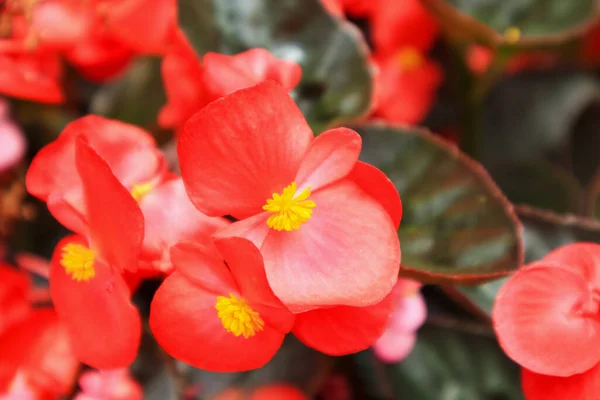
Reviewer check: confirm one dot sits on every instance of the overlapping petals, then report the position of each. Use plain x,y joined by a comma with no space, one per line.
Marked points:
547,320
240,151
219,313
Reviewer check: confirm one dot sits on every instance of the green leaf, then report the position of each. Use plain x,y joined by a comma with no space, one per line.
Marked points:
336,81
457,226
450,364
477,299
538,184
136,97
522,122
541,22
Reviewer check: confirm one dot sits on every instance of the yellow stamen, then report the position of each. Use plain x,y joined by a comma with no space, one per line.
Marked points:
139,190
512,34
289,210
238,317
409,59
78,262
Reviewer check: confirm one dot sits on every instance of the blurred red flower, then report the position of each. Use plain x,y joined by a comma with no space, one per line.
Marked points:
325,223
217,311
546,317
192,84
12,139
109,385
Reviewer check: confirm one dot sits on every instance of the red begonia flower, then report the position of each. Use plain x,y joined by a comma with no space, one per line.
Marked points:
397,24
546,315
335,330
170,217
86,281
325,240
584,386
356,8
406,86
12,139
31,76
14,296
109,385
143,25
101,56
219,314
58,25
409,313
268,392
191,84
130,151
38,351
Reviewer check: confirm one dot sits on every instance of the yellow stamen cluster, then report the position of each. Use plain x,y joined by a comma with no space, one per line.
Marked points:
409,59
289,210
139,190
238,317
512,34
78,262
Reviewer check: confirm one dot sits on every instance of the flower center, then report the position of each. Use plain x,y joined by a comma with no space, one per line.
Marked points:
238,317
409,59
289,210
512,34
139,190
78,262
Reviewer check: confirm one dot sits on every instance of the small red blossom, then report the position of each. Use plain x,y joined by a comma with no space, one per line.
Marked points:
13,143
86,280
324,222
192,84
36,357
109,385
546,317
405,86
219,314
409,313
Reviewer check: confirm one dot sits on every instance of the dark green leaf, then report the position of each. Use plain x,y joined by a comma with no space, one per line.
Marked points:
336,81
457,225
541,22
450,364
532,113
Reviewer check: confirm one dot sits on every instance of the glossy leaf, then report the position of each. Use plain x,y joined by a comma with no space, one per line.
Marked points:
448,364
336,81
522,122
457,225
544,231
541,22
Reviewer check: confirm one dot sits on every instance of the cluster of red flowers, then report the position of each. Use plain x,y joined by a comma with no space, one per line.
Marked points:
313,248
547,320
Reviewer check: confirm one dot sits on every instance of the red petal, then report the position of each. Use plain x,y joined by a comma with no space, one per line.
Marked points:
130,151
246,265
584,386
343,330
39,349
331,157
143,25
31,76
225,74
377,185
14,296
115,220
169,218
61,24
237,151
185,323
182,75
346,254
203,265
542,323
580,258
105,328
255,229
